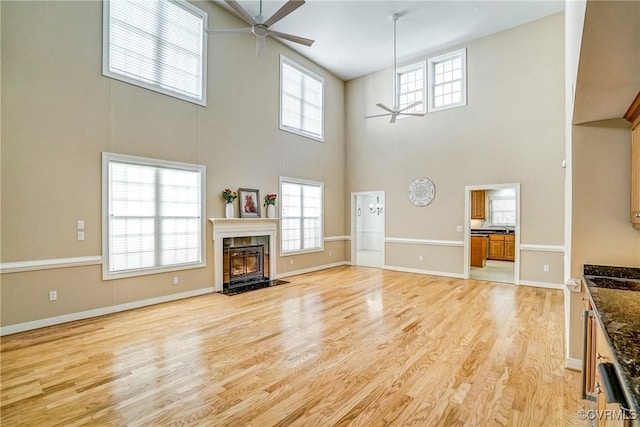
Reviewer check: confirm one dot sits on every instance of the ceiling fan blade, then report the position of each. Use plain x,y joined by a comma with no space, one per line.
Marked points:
261,45
384,107
288,7
292,38
230,30
233,4
413,114
377,115
411,106
393,118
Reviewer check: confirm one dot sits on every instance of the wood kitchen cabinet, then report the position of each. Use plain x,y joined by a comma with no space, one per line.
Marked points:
633,115
502,247
596,352
509,247
478,204
478,251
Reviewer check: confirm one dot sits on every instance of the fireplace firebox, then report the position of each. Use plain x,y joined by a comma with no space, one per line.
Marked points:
245,265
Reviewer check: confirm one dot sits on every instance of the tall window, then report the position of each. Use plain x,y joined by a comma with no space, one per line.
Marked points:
301,100
153,215
447,80
412,87
301,215
159,45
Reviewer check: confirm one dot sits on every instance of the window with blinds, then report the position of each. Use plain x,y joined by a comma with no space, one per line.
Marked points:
153,216
301,100
502,210
448,80
301,216
159,45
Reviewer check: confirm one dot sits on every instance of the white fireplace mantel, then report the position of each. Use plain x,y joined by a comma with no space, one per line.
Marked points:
241,227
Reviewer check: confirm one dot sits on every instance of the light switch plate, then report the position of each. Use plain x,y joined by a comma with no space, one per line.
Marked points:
80,235
80,224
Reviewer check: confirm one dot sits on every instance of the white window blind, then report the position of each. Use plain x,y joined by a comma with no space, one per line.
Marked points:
301,215
412,87
154,215
503,210
156,44
447,78
301,100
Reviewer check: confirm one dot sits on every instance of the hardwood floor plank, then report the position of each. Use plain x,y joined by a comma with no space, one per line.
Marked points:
346,346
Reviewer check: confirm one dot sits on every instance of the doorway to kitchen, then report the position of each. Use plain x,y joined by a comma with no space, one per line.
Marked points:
367,229
492,237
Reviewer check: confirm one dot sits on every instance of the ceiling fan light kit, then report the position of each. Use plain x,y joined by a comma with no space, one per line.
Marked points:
261,27
396,111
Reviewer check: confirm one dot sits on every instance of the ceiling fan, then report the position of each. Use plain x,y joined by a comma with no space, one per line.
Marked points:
396,111
261,26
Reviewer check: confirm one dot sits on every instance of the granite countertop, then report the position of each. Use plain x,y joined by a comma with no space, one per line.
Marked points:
615,293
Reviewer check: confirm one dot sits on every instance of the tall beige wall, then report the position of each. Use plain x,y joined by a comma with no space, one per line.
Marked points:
511,131
59,114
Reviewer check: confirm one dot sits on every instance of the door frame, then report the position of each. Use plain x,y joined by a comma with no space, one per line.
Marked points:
354,223
467,229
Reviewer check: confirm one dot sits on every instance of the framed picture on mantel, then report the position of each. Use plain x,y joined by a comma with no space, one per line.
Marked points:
249,203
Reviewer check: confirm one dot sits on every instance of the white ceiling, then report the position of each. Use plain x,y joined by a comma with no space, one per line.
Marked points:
355,37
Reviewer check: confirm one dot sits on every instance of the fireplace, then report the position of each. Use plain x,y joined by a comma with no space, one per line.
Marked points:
246,265
238,232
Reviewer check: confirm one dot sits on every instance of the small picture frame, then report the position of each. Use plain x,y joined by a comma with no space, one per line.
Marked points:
249,201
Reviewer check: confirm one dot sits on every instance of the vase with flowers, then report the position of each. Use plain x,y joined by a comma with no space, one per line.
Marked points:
270,204
229,196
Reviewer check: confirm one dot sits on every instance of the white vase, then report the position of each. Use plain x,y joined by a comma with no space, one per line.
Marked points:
271,211
228,210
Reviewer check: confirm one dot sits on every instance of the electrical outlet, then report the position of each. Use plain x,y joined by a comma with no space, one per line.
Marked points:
53,295
175,280
420,258
459,229
546,268
330,253
80,235
291,261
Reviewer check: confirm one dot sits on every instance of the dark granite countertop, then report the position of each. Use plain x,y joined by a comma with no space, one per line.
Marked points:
615,293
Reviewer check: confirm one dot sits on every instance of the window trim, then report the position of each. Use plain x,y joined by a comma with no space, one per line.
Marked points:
408,68
106,21
462,53
311,74
302,251
122,158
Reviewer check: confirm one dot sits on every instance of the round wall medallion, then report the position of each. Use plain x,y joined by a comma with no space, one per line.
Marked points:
422,191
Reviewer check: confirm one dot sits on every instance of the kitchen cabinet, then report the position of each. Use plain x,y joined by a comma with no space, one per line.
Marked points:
509,247
633,115
479,251
597,352
478,204
502,247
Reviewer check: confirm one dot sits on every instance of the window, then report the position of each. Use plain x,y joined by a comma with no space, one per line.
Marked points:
301,216
502,210
159,45
301,100
411,87
153,216
447,80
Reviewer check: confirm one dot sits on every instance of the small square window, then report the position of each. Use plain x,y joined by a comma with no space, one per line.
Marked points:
411,87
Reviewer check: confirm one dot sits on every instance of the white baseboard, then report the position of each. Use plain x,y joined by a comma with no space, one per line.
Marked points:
27,326
575,364
429,272
311,269
545,285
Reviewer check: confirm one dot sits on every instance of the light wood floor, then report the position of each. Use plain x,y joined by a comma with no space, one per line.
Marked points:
346,346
